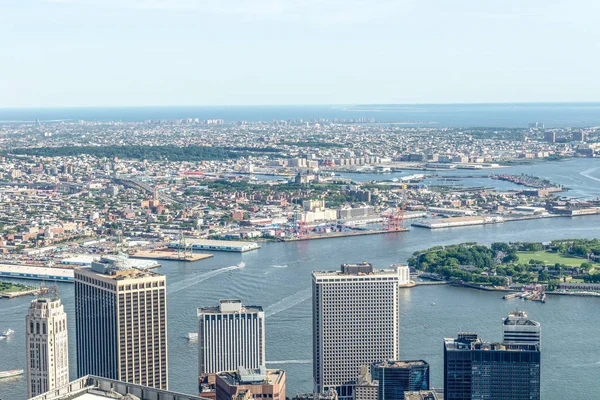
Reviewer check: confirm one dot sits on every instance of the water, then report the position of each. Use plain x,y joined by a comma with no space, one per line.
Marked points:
443,115
580,175
569,324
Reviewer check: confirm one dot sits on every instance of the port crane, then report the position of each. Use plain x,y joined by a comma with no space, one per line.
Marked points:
394,220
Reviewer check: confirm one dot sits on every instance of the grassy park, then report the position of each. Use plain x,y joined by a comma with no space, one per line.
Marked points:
9,287
551,258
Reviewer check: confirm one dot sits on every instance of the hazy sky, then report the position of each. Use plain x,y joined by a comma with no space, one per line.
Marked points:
209,52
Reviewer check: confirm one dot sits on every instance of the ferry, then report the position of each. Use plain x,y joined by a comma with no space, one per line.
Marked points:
7,333
8,374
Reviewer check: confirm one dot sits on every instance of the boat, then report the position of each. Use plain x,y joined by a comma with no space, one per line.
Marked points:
192,336
241,264
7,333
8,374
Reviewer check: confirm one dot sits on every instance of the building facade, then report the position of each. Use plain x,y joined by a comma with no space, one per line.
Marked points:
518,328
365,388
355,322
47,344
121,321
475,370
397,377
229,336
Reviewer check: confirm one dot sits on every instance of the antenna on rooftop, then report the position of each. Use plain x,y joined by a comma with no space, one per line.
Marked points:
55,291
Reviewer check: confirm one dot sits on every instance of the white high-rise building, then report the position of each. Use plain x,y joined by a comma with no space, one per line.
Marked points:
47,346
230,336
518,328
356,321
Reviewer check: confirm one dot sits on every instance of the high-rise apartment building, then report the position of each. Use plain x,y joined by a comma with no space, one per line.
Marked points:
518,328
121,320
550,137
397,377
229,336
47,344
355,322
475,370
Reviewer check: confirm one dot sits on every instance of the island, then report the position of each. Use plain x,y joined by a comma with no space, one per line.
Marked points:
565,266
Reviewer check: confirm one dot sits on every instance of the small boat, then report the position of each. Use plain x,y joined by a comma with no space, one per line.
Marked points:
241,264
7,333
433,304
8,374
192,336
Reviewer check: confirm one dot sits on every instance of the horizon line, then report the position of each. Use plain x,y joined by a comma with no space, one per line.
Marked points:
304,105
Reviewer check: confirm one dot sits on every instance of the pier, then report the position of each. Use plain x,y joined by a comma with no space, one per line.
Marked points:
215,245
36,273
169,255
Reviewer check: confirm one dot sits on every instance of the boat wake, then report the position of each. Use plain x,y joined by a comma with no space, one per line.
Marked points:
177,286
588,173
288,302
279,266
290,362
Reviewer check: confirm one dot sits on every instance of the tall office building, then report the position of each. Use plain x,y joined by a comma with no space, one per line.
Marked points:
230,336
550,137
476,370
355,322
397,377
121,320
47,346
518,328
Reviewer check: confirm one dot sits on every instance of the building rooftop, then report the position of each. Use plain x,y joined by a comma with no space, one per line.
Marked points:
132,273
400,364
470,341
228,307
424,395
519,318
354,270
245,376
92,387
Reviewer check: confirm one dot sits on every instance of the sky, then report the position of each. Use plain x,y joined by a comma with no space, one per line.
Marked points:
78,53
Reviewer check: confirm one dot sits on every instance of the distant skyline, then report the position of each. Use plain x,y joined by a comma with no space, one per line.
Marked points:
98,53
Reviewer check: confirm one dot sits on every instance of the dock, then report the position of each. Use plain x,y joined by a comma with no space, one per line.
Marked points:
36,273
216,245
457,222
332,235
168,255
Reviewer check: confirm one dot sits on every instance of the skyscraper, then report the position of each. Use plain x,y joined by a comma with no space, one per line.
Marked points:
121,320
230,336
518,328
397,377
476,370
47,346
355,322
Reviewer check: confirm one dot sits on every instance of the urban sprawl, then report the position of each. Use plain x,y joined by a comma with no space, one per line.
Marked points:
101,203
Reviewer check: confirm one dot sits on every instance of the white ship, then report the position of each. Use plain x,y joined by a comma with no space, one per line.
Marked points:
7,333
